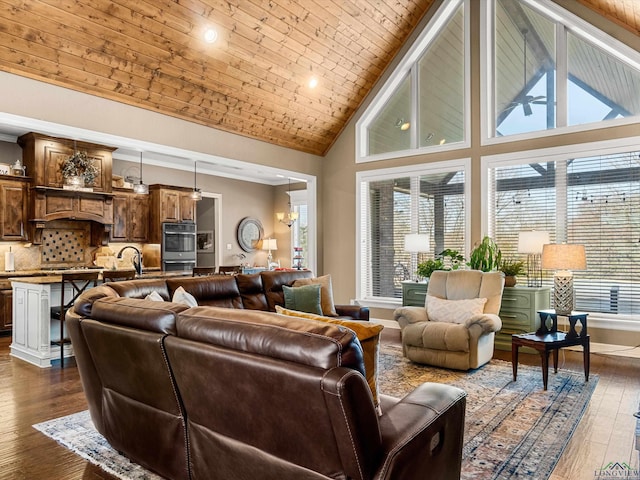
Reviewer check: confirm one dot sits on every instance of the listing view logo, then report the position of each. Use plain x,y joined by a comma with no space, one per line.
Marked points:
617,470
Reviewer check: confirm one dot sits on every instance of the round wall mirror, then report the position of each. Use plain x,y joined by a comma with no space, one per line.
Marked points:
249,234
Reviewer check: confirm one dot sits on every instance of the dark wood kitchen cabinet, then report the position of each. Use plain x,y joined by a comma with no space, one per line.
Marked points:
44,156
169,204
130,217
6,308
14,195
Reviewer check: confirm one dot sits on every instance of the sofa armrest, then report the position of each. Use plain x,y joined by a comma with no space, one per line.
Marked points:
356,312
422,435
408,315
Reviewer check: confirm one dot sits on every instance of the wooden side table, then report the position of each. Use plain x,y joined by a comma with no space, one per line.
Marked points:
547,339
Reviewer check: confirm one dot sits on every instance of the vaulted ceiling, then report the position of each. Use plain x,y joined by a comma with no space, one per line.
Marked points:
252,81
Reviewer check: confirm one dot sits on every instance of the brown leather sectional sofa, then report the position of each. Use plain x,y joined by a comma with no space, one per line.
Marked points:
259,291
208,392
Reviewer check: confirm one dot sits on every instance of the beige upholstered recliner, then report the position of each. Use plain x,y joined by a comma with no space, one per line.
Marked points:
456,327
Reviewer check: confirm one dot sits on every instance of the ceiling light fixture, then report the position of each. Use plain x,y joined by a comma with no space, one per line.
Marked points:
402,124
196,194
313,82
288,218
210,35
140,187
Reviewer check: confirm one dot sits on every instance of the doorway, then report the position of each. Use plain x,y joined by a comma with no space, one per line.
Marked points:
208,230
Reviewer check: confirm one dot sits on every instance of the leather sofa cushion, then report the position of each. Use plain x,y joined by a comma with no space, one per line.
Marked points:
213,290
141,288
148,315
273,280
251,291
317,344
84,302
369,335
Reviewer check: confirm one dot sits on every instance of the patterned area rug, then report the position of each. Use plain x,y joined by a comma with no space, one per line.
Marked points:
512,429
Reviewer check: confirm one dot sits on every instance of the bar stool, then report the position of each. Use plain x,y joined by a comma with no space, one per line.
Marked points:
198,271
76,284
118,275
230,270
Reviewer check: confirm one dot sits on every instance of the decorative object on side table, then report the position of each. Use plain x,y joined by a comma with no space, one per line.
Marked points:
563,258
79,171
297,258
270,244
415,244
511,269
531,243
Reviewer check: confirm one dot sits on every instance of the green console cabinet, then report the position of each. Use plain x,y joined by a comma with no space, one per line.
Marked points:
519,312
414,294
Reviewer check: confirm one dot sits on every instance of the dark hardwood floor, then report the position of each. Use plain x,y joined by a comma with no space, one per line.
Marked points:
30,395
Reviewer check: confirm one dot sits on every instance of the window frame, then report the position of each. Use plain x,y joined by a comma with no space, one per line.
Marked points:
565,22
365,177
408,67
553,154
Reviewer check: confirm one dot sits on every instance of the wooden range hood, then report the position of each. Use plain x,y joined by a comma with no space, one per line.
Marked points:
43,157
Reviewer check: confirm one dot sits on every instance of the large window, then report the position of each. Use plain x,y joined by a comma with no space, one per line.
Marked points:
424,105
427,199
552,70
592,200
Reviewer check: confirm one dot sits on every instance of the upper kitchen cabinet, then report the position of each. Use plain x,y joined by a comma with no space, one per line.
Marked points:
130,217
169,204
44,156
14,214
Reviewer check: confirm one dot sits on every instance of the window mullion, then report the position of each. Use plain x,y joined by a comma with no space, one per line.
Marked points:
415,79
562,76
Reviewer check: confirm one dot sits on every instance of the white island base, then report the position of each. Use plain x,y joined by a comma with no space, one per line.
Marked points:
33,329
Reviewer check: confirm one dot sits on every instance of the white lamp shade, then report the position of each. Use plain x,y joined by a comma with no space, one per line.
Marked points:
532,242
269,244
416,242
563,256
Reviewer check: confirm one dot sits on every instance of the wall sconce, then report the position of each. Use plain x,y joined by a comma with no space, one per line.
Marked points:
531,243
563,258
269,244
196,194
290,217
141,188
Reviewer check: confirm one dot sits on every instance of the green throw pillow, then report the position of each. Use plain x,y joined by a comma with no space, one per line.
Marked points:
303,299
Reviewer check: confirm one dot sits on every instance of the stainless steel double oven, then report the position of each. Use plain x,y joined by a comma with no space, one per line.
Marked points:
178,246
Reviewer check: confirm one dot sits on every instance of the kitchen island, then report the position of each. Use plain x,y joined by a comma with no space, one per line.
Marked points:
33,330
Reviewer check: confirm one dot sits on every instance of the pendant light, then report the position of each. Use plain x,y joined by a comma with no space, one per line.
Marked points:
290,217
140,187
196,194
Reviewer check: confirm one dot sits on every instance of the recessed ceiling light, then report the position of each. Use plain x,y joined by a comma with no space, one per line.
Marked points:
210,35
313,82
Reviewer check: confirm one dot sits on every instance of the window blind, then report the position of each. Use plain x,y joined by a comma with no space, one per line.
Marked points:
393,207
593,201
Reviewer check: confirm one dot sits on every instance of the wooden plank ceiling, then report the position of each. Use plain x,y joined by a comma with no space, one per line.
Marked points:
253,81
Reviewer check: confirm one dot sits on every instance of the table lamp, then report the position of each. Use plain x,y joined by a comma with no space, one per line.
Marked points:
415,243
563,258
269,244
531,243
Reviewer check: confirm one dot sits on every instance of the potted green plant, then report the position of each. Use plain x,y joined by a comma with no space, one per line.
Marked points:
426,268
79,166
446,260
511,269
486,256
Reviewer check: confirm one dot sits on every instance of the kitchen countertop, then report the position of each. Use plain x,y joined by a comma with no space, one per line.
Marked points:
43,277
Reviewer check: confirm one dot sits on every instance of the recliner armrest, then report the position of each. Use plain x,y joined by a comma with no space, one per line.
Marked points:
357,312
408,315
422,435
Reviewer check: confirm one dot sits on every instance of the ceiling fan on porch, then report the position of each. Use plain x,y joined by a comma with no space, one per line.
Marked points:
523,99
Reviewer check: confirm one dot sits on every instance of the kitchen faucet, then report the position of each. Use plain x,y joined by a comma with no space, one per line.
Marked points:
137,260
